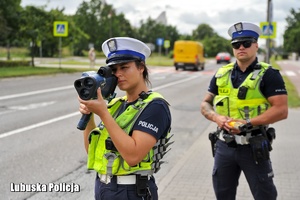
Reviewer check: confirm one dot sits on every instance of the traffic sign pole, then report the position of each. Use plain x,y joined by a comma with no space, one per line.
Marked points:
268,53
59,52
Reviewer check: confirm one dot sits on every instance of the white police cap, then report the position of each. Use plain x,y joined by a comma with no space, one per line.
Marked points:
243,31
124,49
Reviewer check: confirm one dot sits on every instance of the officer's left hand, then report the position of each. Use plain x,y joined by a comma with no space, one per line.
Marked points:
97,106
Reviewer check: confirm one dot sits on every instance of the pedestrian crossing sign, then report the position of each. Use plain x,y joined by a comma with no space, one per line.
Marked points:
60,28
268,30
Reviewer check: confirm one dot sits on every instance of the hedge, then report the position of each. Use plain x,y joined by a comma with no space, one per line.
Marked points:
11,63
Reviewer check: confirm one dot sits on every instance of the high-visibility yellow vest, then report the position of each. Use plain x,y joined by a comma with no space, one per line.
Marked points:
110,162
227,102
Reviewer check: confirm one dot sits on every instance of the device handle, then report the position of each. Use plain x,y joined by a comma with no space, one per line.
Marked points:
84,120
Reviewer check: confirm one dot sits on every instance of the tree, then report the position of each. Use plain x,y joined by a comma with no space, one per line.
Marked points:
150,30
9,22
37,29
100,22
215,44
203,31
292,33
212,42
34,25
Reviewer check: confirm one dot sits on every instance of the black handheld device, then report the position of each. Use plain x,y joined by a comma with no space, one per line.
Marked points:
88,84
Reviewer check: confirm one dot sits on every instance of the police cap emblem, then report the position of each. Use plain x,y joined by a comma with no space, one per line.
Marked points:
238,27
112,45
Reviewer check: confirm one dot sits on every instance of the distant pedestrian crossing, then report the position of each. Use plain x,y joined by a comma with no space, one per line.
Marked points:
171,70
290,72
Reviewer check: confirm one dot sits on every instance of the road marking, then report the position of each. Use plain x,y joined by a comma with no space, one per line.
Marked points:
3,135
35,92
174,83
290,73
38,125
32,106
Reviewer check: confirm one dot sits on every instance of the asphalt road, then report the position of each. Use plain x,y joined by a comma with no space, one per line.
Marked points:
39,142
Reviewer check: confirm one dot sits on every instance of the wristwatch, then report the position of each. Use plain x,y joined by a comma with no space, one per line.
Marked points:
246,127
248,122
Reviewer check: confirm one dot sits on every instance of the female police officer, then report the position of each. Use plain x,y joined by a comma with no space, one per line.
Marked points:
253,94
127,147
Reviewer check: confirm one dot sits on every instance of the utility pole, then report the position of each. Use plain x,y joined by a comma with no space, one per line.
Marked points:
269,20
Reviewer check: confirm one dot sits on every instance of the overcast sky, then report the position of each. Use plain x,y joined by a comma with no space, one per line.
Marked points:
187,15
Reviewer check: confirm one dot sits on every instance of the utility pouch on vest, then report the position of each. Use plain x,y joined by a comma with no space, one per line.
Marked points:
242,92
221,104
260,148
93,141
109,145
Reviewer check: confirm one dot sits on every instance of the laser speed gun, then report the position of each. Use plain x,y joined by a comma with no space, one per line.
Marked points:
88,84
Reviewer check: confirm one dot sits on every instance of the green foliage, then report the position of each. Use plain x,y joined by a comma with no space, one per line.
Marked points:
14,63
157,60
6,72
215,44
15,52
203,31
9,20
100,22
292,33
150,30
293,96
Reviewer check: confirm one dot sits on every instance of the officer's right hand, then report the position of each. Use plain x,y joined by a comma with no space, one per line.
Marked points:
221,120
97,106
232,126
83,109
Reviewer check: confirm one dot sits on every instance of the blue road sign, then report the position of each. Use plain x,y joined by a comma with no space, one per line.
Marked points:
159,41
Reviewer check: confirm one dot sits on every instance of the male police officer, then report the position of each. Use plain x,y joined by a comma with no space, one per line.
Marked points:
251,94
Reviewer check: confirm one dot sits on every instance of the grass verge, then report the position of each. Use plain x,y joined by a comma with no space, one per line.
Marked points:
6,72
293,96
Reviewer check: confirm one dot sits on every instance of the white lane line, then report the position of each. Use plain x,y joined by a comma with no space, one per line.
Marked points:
175,83
35,92
3,135
32,106
38,125
27,107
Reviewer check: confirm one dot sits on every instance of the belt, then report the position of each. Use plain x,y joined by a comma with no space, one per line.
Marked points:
121,180
240,139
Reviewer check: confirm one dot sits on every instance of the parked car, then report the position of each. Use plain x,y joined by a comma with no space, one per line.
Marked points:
223,57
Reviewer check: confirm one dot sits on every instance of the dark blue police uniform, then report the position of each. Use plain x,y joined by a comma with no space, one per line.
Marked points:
230,162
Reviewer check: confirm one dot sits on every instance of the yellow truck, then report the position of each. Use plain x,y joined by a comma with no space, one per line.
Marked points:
188,54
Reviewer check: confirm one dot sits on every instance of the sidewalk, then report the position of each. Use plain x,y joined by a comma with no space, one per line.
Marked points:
191,178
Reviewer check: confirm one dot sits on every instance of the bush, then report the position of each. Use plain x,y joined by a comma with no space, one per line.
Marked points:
19,63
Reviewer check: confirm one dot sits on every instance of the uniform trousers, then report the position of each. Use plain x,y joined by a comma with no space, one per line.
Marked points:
230,162
114,191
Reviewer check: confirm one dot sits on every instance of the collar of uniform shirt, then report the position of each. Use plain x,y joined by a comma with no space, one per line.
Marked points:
237,76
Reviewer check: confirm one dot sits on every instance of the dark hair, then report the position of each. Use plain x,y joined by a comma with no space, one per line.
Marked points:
140,63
